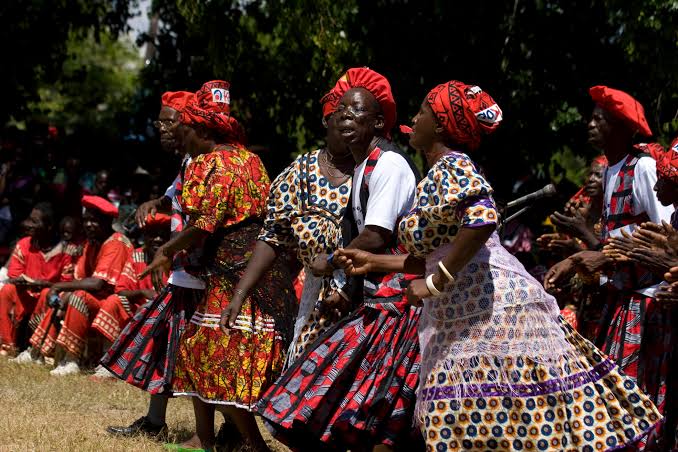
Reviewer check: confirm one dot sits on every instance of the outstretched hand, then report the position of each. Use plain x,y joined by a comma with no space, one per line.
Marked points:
574,223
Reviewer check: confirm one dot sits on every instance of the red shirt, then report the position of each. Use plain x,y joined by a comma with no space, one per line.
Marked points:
105,261
135,265
54,266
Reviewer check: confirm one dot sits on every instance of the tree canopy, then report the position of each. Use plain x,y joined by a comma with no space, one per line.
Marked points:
536,57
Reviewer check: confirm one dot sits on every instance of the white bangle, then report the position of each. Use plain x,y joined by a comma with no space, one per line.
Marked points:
431,287
446,272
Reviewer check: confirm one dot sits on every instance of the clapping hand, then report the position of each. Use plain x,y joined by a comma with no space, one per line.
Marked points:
353,261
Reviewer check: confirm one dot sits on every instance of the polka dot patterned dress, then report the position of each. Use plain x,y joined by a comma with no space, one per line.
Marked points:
501,369
304,214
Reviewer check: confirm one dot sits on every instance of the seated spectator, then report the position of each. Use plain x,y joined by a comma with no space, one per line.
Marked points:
70,232
38,261
96,274
579,224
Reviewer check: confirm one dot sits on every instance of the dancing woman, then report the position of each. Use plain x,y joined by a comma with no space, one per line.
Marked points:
500,368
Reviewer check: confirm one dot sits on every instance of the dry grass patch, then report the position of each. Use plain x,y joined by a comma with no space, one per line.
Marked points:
45,413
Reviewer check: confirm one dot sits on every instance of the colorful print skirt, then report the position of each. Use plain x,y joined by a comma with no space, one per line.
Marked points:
354,386
236,368
595,407
145,353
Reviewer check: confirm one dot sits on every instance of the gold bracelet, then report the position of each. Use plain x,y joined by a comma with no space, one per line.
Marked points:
446,272
431,287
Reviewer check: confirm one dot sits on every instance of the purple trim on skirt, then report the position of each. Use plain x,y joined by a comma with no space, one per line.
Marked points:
520,390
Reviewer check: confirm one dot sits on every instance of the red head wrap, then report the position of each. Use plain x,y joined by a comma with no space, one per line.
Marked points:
210,107
600,160
372,81
176,100
100,205
667,163
622,106
159,220
465,111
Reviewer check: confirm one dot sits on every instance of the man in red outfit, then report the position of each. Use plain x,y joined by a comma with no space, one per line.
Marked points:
38,261
96,274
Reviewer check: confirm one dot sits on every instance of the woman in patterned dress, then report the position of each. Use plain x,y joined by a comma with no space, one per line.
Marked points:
501,369
305,211
224,196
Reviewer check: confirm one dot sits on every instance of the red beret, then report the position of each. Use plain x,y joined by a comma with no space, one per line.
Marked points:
375,83
159,220
176,100
622,106
600,160
99,204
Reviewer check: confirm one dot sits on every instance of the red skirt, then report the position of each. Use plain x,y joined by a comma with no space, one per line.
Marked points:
144,354
354,386
637,333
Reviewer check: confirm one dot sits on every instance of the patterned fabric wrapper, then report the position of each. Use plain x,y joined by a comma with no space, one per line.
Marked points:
144,354
465,111
638,334
235,368
354,386
502,369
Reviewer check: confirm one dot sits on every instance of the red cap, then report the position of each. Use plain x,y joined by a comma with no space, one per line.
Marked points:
99,204
622,106
159,220
600,160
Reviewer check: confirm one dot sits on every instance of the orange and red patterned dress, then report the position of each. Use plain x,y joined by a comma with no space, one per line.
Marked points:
225,194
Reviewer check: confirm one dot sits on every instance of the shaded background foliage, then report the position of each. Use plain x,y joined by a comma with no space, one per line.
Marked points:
536,57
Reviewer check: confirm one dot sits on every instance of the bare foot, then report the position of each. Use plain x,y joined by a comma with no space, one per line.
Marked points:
192,442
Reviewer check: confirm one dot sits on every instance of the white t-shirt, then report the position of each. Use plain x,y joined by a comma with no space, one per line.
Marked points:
644,198
180,277
391,192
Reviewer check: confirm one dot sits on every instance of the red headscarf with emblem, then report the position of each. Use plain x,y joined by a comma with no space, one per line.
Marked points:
372,81
100,205
176,100
667,163
622,106
210,107
465,111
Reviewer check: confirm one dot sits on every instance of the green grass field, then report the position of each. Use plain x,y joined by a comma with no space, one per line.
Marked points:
45,413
